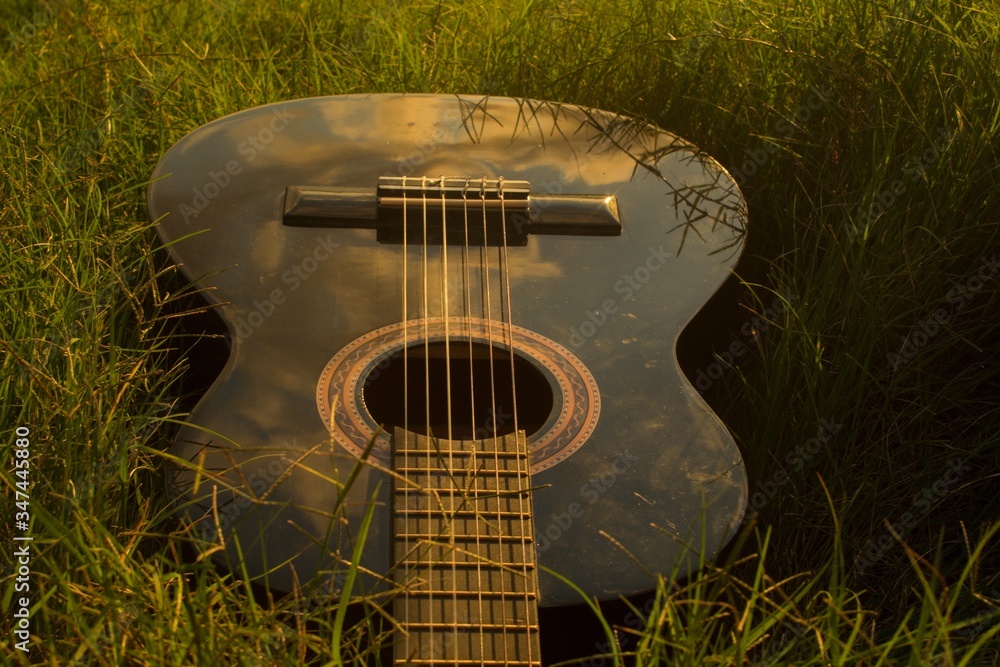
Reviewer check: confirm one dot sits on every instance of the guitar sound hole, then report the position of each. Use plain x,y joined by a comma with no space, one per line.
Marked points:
481,402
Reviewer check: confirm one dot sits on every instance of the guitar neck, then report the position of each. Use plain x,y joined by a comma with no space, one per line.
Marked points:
464,552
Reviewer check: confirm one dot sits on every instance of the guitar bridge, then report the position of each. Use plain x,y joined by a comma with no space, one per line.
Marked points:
455,211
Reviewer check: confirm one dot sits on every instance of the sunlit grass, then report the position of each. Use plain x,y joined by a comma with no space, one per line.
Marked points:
865,138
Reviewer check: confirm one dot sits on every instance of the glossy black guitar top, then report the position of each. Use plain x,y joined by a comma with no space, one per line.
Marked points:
376,258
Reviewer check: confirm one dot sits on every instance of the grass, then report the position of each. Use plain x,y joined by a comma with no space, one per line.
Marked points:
866,138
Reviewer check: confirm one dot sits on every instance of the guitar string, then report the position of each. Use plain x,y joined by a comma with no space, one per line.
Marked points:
522,474
406,429
447,312
451,446
484,254
473,465
427,413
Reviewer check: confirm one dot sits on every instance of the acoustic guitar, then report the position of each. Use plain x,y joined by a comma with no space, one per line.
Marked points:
451,379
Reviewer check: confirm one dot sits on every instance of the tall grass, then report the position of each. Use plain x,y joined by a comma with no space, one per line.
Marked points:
865,136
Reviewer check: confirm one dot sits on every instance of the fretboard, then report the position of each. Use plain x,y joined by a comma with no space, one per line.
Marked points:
464,552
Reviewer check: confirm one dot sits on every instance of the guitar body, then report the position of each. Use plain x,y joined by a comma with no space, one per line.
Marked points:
275,211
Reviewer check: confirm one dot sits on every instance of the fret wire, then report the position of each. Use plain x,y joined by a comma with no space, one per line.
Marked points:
463,513
483,663
499,539
511,567
514,566
466,593
439,470
444,472
500,454
484,626
450,516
